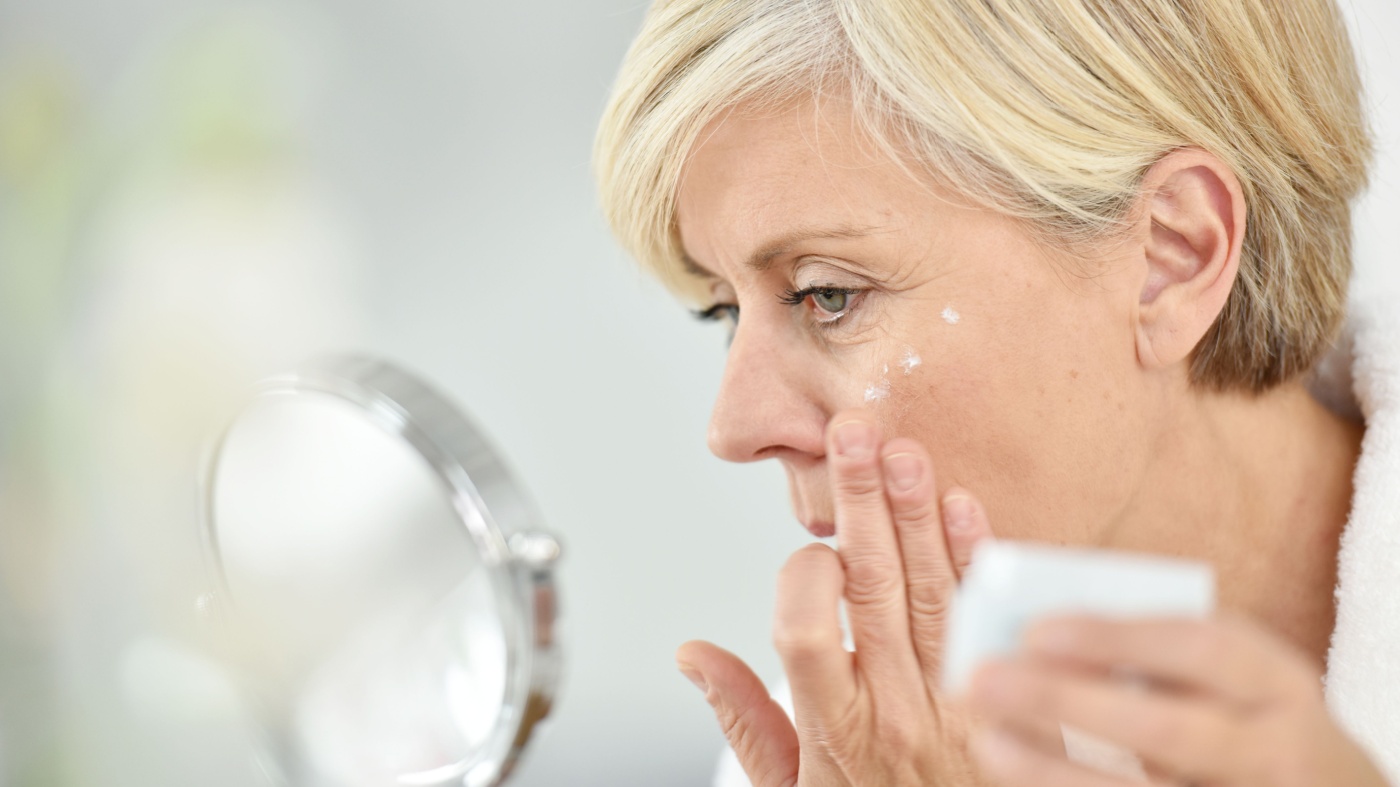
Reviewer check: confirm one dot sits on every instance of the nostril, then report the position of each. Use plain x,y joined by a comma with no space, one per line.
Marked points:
763,409
771,452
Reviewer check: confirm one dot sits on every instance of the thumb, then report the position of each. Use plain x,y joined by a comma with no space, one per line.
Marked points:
757,728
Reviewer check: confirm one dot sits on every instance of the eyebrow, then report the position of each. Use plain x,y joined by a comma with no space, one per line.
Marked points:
762,259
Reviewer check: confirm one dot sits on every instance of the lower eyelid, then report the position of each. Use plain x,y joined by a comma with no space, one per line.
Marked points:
858,298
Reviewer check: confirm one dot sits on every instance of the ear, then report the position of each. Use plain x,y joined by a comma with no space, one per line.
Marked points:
1194,212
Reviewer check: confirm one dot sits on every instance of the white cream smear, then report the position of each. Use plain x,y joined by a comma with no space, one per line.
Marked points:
910,361
951,316
880,391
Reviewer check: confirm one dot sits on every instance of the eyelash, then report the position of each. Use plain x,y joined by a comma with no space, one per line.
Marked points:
796,297
718,312
730,311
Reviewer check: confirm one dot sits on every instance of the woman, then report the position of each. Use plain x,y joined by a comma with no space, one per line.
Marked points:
1057,269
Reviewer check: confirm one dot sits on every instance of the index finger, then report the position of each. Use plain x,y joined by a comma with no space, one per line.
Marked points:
876,605
930,579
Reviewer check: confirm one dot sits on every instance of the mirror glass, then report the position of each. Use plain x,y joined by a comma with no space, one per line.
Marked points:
371,606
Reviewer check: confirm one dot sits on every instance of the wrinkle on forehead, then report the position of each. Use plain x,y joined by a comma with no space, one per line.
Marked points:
764,181
762,259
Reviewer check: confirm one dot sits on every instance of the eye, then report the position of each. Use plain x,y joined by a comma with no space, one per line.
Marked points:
829,304
833,301
727,313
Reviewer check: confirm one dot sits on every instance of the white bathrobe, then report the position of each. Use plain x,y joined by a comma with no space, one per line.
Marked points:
1360,379
1363,666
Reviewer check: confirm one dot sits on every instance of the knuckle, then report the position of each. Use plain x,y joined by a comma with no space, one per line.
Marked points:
738,729
872,582
928,601
857,476
729,724
914,516
857,484
899,736
846,736
774,774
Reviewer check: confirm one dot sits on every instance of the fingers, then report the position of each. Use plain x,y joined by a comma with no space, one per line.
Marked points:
870,555
807,636
1231,658
755,725
1187,735
965,521
1195,735
1014,761
929,579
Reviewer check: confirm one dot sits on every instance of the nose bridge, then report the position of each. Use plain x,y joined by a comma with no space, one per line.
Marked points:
763,401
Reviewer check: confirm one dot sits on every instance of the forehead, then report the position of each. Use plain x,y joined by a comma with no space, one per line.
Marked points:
806,167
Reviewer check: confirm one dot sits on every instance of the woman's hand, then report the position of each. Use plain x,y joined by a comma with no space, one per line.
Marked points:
1219,702
872,717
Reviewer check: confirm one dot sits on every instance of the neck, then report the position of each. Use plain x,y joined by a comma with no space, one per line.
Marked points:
1259,486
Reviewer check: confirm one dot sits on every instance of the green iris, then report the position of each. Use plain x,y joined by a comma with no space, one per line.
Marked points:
833,301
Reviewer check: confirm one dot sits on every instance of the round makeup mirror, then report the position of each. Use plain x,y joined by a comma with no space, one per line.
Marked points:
383,590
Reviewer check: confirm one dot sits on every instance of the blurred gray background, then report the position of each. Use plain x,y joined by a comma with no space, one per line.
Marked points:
195,193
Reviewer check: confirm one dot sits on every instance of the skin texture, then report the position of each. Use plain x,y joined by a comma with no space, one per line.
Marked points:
1061,398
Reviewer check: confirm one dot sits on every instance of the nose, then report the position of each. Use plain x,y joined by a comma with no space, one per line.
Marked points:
766,405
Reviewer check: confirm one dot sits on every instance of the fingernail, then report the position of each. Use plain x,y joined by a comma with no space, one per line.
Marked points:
695,677
904,470
855,439
957,513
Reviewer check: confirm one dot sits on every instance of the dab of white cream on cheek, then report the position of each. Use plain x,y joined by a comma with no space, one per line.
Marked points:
951,316
910,361
878,392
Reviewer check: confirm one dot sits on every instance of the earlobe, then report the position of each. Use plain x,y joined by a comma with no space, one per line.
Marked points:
1194,215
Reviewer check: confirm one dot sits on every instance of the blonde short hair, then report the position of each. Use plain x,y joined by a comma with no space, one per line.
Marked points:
1046,110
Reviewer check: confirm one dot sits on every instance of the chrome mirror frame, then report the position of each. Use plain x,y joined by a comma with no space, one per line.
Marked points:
515,549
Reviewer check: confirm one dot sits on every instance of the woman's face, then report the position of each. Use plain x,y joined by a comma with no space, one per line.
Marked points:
1013,364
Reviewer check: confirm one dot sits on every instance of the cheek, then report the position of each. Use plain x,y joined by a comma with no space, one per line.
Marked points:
873,375
1033,418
